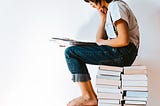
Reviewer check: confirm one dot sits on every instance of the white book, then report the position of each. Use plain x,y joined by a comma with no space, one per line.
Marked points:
133,105
109,96
108,82
134,83
135,98
136,94
111,68
107,86
134,77
109,77
135,88
108,90
135,71
110,101
107,72
135,67
135,102
73,42
108,104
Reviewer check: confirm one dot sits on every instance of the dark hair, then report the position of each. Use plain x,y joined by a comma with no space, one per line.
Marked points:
97,1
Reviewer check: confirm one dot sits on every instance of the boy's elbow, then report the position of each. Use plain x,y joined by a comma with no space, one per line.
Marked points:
125,43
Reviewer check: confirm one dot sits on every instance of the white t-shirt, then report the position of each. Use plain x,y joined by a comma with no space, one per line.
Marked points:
118,9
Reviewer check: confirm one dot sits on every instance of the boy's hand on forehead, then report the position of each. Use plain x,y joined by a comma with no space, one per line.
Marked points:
105,9
103,12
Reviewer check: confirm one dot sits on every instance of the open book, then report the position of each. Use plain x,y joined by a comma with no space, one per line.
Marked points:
75,42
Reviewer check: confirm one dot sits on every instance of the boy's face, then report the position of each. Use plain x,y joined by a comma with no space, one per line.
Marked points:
99,7
94,5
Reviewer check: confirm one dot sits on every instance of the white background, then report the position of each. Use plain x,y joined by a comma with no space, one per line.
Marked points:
33,71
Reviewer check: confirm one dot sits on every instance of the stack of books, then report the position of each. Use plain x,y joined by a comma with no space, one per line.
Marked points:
134,86
108,83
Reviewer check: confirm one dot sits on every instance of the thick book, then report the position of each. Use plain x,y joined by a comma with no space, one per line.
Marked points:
108,104
107,86
136,94
109,101
134,83
135,88
135,67
136,98
109,72
134,105
108,82
135,71
108,90
134,77
109,96
75,42
135,102
109,77
111,68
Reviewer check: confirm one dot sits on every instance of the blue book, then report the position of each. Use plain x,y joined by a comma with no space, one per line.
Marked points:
136,94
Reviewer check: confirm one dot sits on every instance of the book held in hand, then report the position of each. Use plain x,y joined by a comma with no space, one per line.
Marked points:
74,42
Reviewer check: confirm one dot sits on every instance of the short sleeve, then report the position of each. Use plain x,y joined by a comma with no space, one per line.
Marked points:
119,11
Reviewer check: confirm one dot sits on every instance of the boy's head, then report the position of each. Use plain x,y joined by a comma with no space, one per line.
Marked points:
98,1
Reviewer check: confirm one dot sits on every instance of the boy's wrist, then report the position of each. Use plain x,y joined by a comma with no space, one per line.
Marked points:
100,43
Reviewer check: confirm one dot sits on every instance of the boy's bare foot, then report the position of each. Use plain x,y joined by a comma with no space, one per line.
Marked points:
82,101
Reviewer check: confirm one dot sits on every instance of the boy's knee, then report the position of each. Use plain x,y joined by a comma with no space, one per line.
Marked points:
68,51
